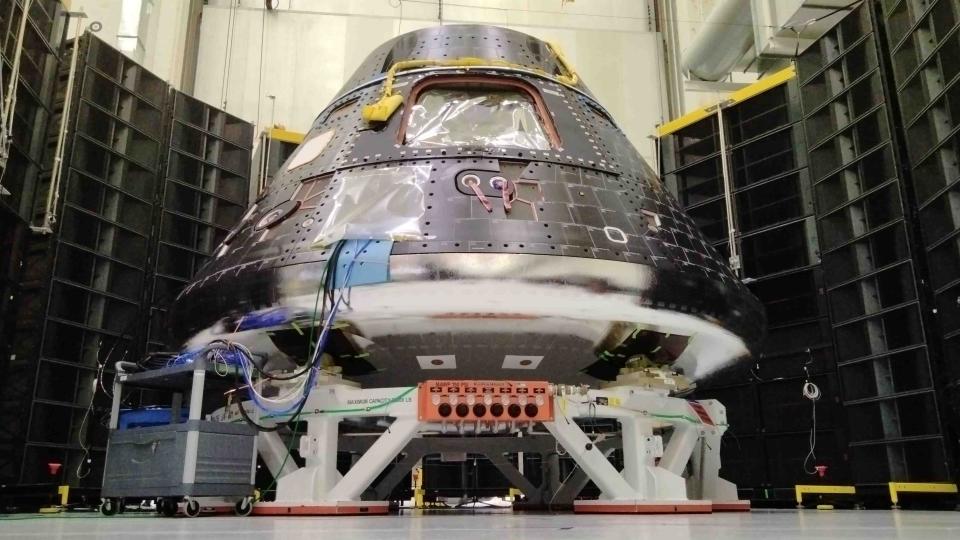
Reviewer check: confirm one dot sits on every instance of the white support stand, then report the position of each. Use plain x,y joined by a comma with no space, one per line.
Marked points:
705,481
681,477
652,480
318,488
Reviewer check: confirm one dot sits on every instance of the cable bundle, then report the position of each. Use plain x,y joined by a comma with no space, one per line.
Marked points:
285,404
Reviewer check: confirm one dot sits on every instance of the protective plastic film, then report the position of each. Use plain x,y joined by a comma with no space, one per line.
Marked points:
382,204
475,117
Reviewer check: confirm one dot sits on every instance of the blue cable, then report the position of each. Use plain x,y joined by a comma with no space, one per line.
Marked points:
321,345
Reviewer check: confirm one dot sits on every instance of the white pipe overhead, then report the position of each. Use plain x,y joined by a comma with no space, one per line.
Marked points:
726,35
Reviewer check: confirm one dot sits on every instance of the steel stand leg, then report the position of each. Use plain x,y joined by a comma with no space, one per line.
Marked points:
319,449
590,458
638,458
373,462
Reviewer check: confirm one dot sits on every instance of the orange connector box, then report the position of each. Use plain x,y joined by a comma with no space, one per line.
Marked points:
485,401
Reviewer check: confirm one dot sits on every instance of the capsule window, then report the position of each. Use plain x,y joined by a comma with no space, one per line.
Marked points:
476,112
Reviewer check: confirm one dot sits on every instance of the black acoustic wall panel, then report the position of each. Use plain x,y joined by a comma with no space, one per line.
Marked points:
870,275
83,284
19,178
204,193
39,61
772,201
12,234
922,52
89,287
835,250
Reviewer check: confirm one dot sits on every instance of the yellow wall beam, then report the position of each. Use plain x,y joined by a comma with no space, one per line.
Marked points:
280,134
761,86
802,489
691,117
918,487
743,94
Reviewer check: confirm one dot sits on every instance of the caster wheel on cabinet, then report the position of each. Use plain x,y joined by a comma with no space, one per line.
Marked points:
167,507
192,508
244,507
109,507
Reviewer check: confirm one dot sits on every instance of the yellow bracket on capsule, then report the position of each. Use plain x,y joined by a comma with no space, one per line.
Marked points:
389,102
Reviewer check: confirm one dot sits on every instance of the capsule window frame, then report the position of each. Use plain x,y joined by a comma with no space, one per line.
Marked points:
474,82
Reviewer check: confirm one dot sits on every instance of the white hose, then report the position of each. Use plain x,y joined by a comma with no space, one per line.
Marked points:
10,100
812,392
50,208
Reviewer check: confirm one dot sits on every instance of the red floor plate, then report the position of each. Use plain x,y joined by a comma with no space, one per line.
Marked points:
346,508
642,507
731,506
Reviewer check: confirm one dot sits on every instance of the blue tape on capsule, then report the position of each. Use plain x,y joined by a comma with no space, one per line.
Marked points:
372,262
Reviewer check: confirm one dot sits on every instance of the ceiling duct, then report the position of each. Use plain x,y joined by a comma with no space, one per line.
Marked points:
738,31
726,35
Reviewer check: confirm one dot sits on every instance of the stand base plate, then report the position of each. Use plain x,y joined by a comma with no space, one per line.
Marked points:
642,507
731,506
340,508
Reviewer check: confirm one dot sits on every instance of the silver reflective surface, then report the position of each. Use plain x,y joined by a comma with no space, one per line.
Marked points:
476,117
481,308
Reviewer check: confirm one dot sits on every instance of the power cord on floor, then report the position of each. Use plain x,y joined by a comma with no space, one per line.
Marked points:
562,483
812,392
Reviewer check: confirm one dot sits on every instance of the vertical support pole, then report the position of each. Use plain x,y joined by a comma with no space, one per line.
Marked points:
196,391
728,194
175,406
322,436
520,456
196,409
707,463
317,478
673,69
50,207
636,454
115,406
114,411
253,461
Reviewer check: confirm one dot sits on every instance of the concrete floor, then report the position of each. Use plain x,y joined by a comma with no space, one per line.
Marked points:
759,524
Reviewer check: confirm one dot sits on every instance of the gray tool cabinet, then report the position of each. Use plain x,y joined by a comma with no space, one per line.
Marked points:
181,460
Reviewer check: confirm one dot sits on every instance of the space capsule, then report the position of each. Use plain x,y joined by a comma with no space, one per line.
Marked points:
483,217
